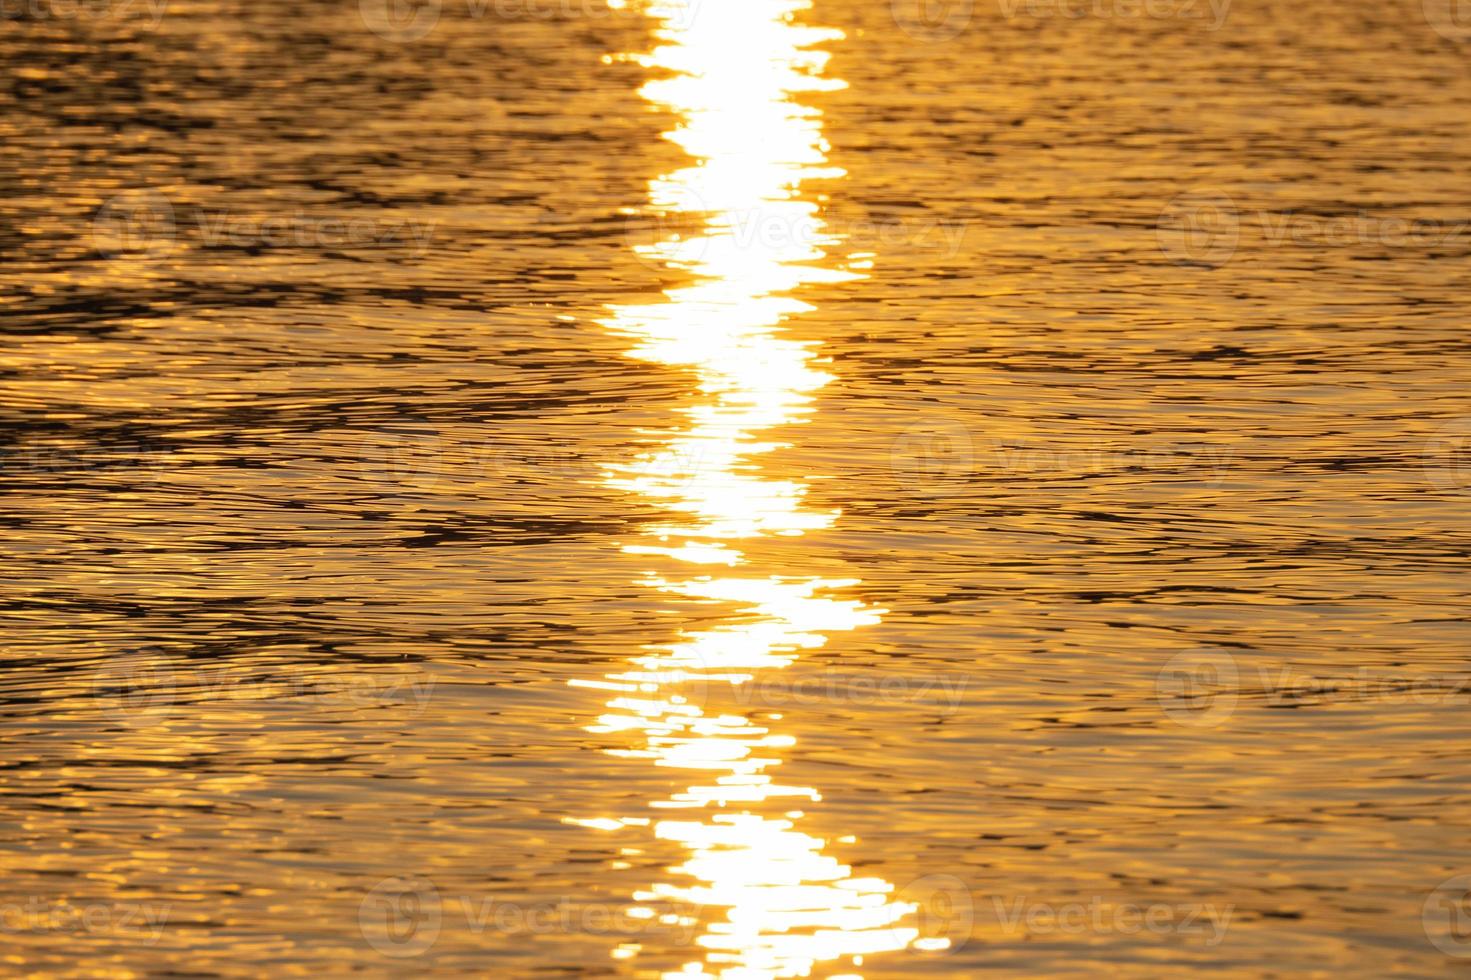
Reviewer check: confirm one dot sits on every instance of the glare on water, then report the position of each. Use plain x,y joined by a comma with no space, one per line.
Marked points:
738,71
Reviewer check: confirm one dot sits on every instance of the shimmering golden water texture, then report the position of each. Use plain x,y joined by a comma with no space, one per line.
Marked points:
748,490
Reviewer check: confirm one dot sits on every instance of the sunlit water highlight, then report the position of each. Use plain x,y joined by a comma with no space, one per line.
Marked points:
737,71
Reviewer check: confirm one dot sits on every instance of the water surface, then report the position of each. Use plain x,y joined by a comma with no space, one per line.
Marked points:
752,489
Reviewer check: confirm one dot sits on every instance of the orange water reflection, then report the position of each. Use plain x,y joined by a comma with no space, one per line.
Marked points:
773,903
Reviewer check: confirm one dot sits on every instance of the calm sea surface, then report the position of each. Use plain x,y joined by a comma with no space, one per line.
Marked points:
735,488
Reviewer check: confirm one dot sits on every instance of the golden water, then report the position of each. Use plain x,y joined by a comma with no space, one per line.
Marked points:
747,490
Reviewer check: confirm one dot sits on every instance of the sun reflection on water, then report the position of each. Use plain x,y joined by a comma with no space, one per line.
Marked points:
774,904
